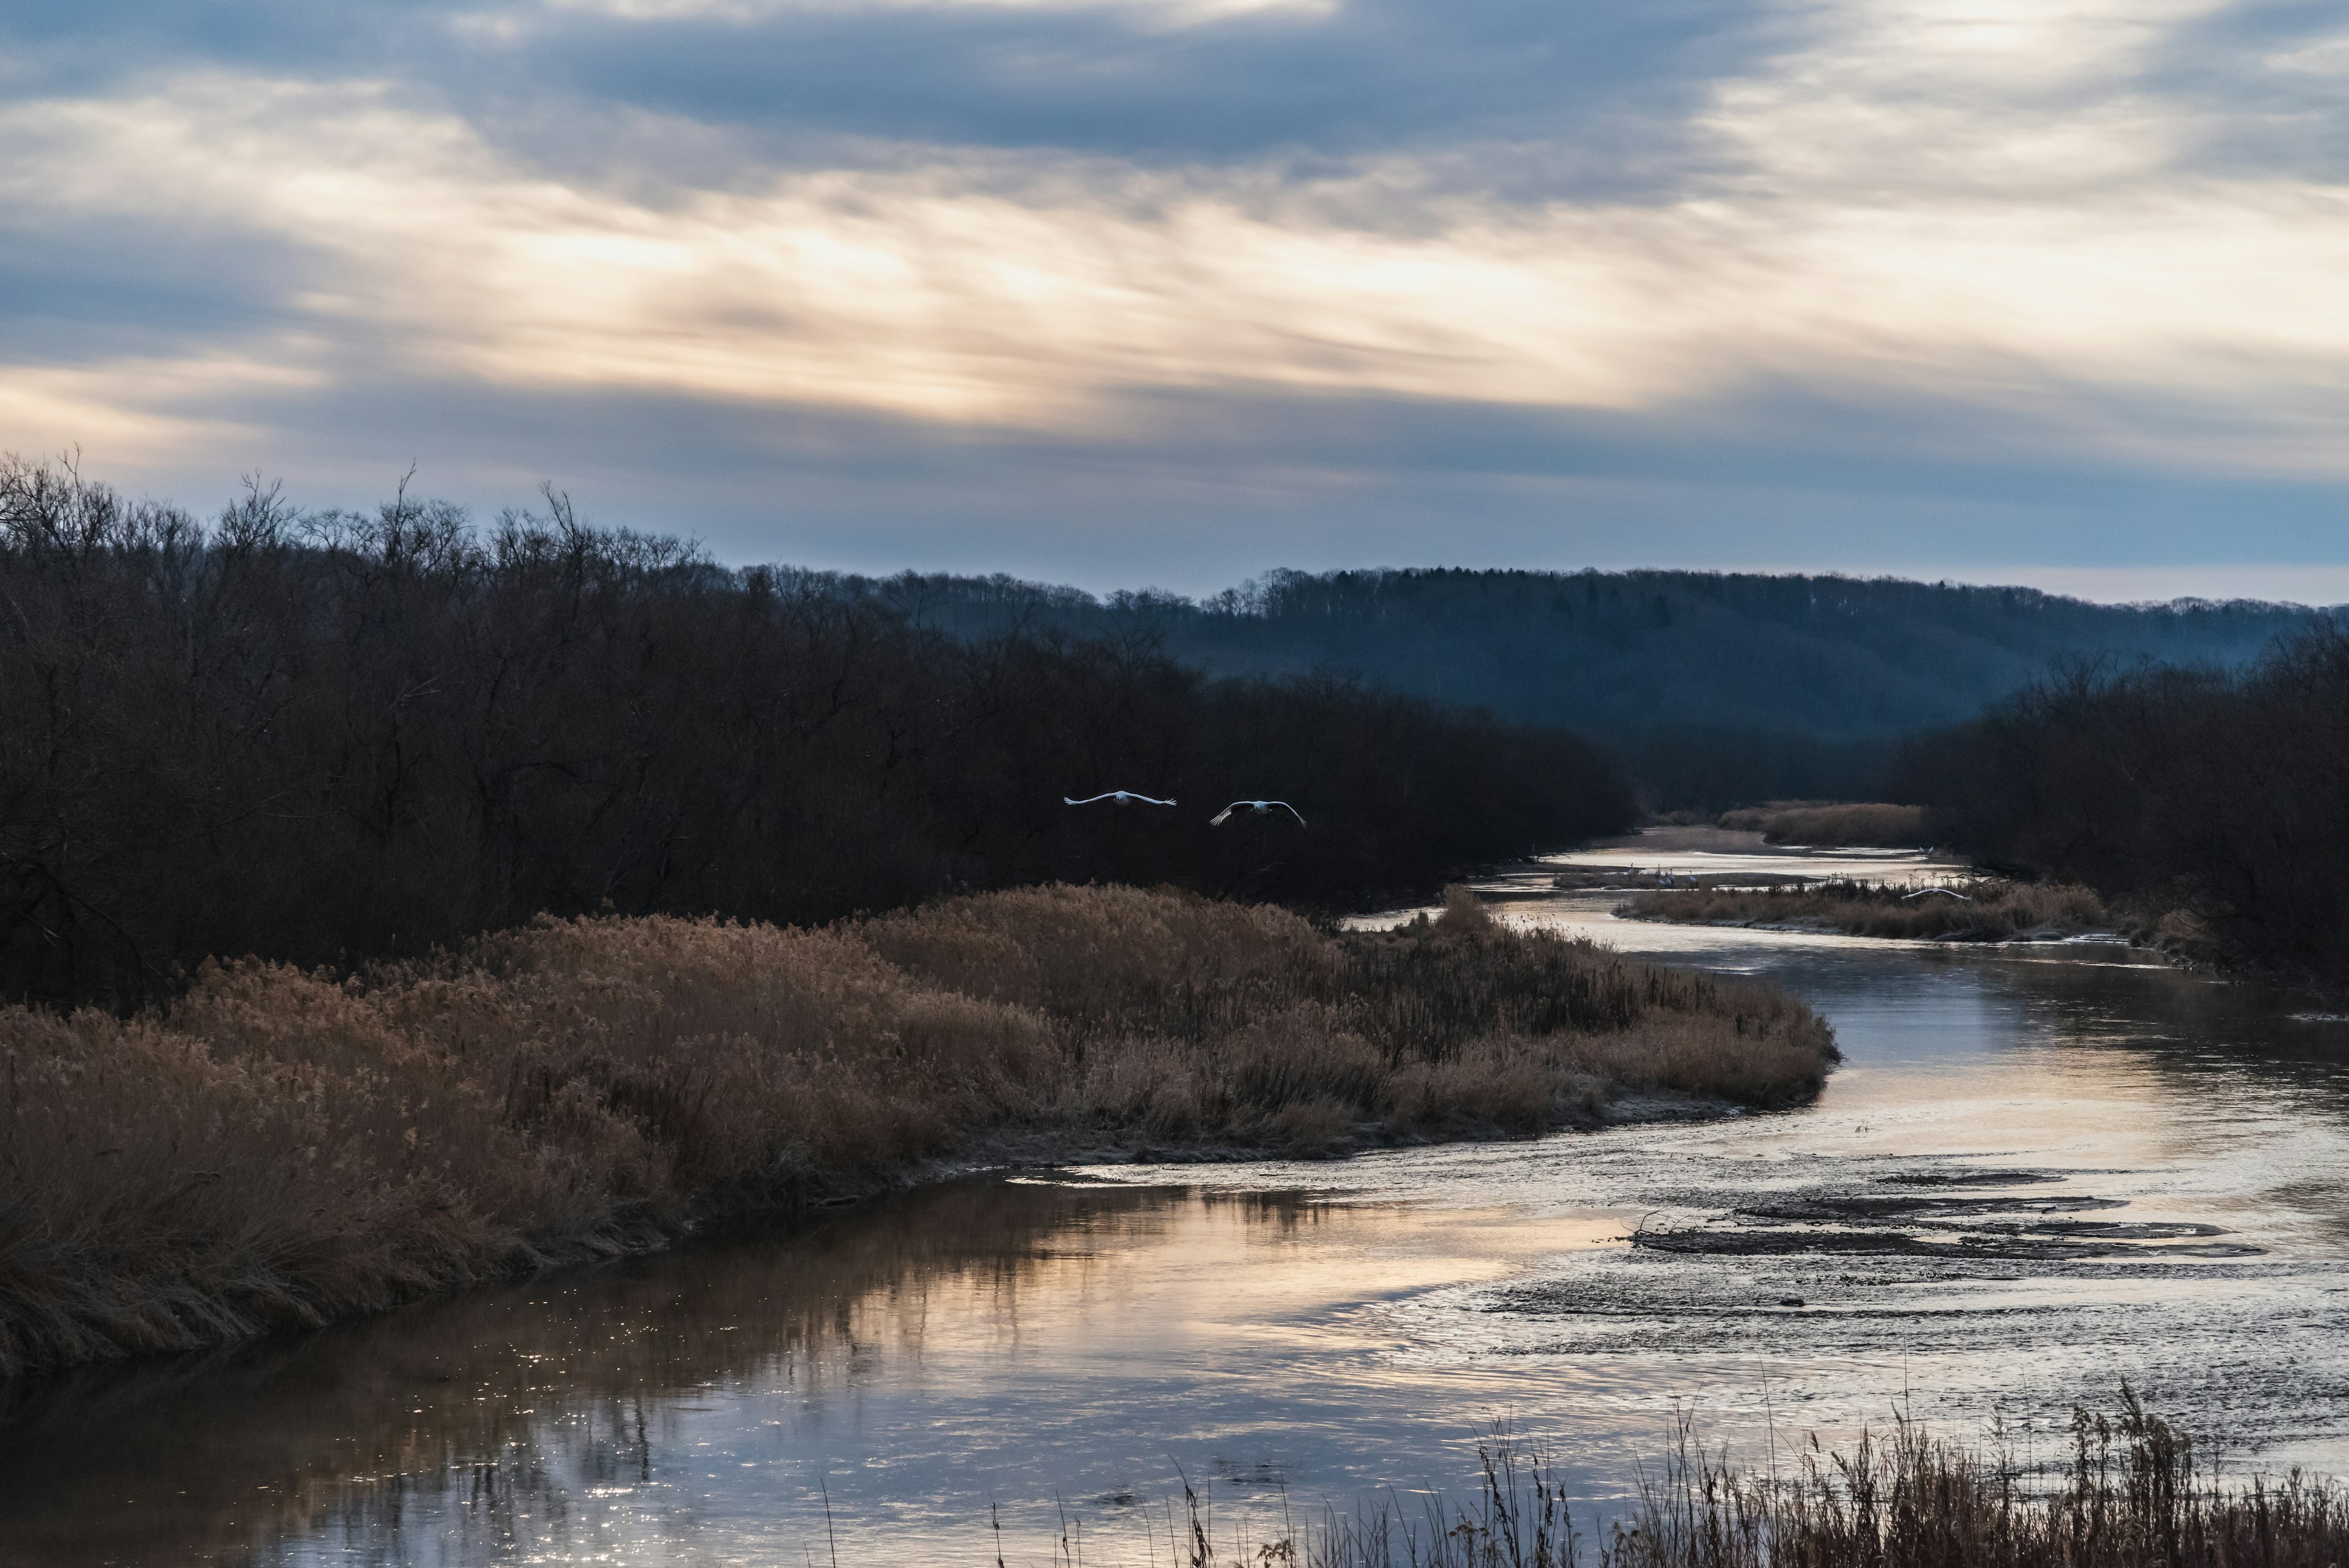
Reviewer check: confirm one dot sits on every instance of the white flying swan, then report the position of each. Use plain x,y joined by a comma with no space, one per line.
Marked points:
1257,807
1121,796
1953,892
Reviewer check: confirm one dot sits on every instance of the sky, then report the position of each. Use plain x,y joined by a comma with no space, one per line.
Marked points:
1171,292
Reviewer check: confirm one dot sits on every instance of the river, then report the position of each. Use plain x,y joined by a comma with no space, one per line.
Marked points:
2041,1169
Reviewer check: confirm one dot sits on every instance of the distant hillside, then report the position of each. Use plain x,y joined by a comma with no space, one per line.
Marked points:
1717,686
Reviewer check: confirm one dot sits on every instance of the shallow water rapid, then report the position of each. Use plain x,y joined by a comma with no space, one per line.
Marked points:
2041,1169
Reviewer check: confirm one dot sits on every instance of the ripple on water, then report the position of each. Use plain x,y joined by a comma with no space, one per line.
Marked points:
2036,1175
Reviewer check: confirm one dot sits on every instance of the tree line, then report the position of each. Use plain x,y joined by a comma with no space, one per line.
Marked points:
1713,688
329,737
2217,793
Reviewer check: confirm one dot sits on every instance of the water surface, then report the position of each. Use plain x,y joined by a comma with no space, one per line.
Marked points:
2040,1171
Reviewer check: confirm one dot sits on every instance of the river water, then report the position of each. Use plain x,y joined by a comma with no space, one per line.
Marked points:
2041,1169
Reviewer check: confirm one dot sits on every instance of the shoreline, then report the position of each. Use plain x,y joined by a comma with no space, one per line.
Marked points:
996,1159
1856,898
2156,954
2086,936
280,1151
1973,908
1013,1153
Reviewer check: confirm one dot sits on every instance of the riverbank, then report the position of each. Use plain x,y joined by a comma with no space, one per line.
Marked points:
280,1148
1968,909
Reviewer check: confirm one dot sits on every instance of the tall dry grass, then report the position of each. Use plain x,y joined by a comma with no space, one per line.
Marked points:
280,1147
2132,1492
1992,909
2128,1493
1831,824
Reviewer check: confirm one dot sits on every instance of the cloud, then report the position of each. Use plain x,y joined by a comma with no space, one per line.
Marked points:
1158,13
1151,81
137,411
1947,254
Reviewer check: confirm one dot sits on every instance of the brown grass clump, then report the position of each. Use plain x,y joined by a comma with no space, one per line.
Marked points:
2132,1492
281,1147
1831,824
1992,910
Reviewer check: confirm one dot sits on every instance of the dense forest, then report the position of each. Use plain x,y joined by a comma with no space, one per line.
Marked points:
1716,688
331,737
2210,798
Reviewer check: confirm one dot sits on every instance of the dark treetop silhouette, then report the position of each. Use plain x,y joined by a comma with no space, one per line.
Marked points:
331,737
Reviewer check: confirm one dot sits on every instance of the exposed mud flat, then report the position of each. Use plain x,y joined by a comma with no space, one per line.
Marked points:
2028,1226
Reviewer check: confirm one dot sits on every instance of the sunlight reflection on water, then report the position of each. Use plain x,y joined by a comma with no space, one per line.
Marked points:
1972,1220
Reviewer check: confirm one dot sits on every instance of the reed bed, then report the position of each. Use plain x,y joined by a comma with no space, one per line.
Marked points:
2133,1492
280,1147
1990,908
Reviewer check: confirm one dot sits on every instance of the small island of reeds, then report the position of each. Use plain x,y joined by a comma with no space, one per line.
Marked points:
278,1147
1971,909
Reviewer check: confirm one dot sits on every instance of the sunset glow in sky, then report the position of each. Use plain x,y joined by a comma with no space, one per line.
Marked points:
1171,291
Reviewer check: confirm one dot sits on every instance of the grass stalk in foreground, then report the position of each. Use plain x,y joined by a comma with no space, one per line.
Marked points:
1991,908
280,1148
2132,1492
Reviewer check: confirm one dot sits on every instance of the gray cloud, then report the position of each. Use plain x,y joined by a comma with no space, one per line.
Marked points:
1207,490
1591,95
55,47
1364,79
1485,110
2271,90
112,287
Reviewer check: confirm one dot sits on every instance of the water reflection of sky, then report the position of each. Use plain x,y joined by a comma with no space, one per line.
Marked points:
1040,1345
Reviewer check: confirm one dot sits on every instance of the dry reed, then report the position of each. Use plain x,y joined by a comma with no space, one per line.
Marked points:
280,1148
1992,909
2131,1493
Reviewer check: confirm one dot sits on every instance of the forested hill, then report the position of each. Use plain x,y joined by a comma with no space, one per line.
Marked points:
1715,687
1618,653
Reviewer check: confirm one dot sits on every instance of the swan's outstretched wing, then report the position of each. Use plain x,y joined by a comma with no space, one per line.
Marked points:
1259,807
1149,800
1088,800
